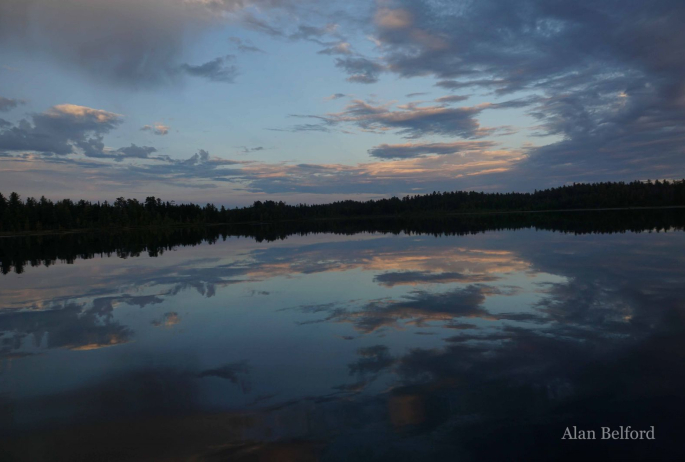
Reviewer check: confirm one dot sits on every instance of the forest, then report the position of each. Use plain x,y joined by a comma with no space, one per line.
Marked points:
22,251
35,215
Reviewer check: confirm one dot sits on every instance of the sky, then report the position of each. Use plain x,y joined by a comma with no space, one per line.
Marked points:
232,101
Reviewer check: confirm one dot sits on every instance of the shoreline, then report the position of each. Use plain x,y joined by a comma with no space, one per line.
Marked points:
427,215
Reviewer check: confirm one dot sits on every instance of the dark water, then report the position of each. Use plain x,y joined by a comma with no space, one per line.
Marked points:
422,341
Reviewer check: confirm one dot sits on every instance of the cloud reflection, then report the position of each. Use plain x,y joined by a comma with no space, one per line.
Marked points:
553,329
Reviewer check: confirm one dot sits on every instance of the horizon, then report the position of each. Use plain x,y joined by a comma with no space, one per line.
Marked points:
141,200
229,102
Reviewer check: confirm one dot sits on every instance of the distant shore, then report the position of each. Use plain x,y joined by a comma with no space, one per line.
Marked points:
426,215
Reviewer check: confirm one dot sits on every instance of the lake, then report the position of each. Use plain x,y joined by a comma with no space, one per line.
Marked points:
410,342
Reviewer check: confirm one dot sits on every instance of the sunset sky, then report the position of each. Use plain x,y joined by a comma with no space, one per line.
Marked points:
230,101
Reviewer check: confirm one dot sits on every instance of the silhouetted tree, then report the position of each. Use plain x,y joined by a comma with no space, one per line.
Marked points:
43,214
19,252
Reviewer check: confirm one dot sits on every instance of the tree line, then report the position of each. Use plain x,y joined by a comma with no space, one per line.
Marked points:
19,252
17,215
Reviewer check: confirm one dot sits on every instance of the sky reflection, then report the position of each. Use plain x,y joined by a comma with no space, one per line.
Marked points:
341,347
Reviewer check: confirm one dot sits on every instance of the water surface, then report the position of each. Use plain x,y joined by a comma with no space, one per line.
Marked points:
358,346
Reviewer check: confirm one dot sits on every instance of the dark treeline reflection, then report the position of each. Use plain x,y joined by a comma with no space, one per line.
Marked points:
16,253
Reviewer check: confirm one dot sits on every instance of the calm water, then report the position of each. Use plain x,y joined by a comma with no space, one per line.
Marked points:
358,347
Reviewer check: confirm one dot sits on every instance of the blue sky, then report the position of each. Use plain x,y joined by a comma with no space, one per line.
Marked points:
231,101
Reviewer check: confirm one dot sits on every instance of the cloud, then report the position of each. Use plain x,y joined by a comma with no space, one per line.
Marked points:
60,130
259,25
128,42
202,168
407,175
608,76
236,373
427,277
451,99
133,151
483,83
247,150
341,48
421,306
169,319
312,33
7,104
69,326
325,124
414,121
70,129
360,69
410,150
625,135
404,176
157,129
95,148
231,372
220,69
244,45
336,96
373,360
